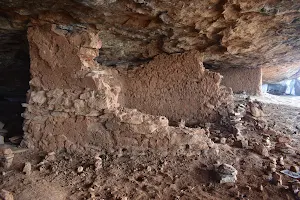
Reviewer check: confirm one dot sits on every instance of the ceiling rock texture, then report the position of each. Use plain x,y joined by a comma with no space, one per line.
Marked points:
228,33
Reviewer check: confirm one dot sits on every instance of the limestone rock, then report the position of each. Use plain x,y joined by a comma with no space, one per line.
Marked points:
294,169
80,169
6,157
27,168
226,173
6,195
276,178
261,149
281,161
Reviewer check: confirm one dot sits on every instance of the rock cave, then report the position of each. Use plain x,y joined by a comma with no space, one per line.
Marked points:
149,99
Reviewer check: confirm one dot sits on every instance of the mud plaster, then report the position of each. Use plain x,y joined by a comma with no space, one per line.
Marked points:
242,80
178,87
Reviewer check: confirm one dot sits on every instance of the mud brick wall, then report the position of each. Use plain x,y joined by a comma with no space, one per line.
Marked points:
75,104
178,87
242,80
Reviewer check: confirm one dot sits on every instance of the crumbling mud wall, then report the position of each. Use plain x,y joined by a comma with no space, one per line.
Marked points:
178,87
74,104
242,80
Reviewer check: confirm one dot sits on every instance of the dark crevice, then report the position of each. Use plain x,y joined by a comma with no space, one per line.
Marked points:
14,82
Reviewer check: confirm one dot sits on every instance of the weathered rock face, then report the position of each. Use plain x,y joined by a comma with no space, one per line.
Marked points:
229,33
275,74
76,104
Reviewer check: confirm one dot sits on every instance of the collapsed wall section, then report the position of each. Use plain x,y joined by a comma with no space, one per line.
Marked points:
177,86
76,104
242,80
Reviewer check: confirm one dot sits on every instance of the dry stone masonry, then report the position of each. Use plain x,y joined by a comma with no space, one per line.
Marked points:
76,104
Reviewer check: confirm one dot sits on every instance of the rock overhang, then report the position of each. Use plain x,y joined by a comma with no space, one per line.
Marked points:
228,33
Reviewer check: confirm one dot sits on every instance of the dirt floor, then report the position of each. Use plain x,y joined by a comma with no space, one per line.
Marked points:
125,176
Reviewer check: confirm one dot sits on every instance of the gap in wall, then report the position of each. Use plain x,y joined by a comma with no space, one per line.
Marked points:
14,83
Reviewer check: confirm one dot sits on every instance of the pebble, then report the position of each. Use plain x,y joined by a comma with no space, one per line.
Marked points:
80,169
284,139
6,157
50,156
223,140
226,173
243,143
267,142
261,149
149,169
98,164
261,188
281,161
27,168
273,160
294,169
276,178
6,195
284,148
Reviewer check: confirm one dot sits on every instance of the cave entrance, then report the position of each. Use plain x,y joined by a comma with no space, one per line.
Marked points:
14,84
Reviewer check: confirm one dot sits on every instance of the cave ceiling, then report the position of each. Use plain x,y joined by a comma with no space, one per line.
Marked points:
229,33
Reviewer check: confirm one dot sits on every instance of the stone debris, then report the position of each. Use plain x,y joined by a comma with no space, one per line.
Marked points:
98,163
294,169
92,193
223,140
80,169
294,186
27,168
276,178
241,143
261,149
272,165
284,139
50,157
261,188
6,157
15,139
284,148
266,141
255,109
226,173
6,195
281,161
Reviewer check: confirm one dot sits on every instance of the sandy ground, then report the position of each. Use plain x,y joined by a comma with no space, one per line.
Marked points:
287,100
126,176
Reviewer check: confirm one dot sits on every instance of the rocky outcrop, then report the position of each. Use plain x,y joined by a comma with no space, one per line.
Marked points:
275,74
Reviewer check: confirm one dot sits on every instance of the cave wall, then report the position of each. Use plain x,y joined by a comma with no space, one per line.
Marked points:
76,104
242,80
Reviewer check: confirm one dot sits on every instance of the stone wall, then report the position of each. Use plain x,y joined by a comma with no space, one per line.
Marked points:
76,104
242,80
178,87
